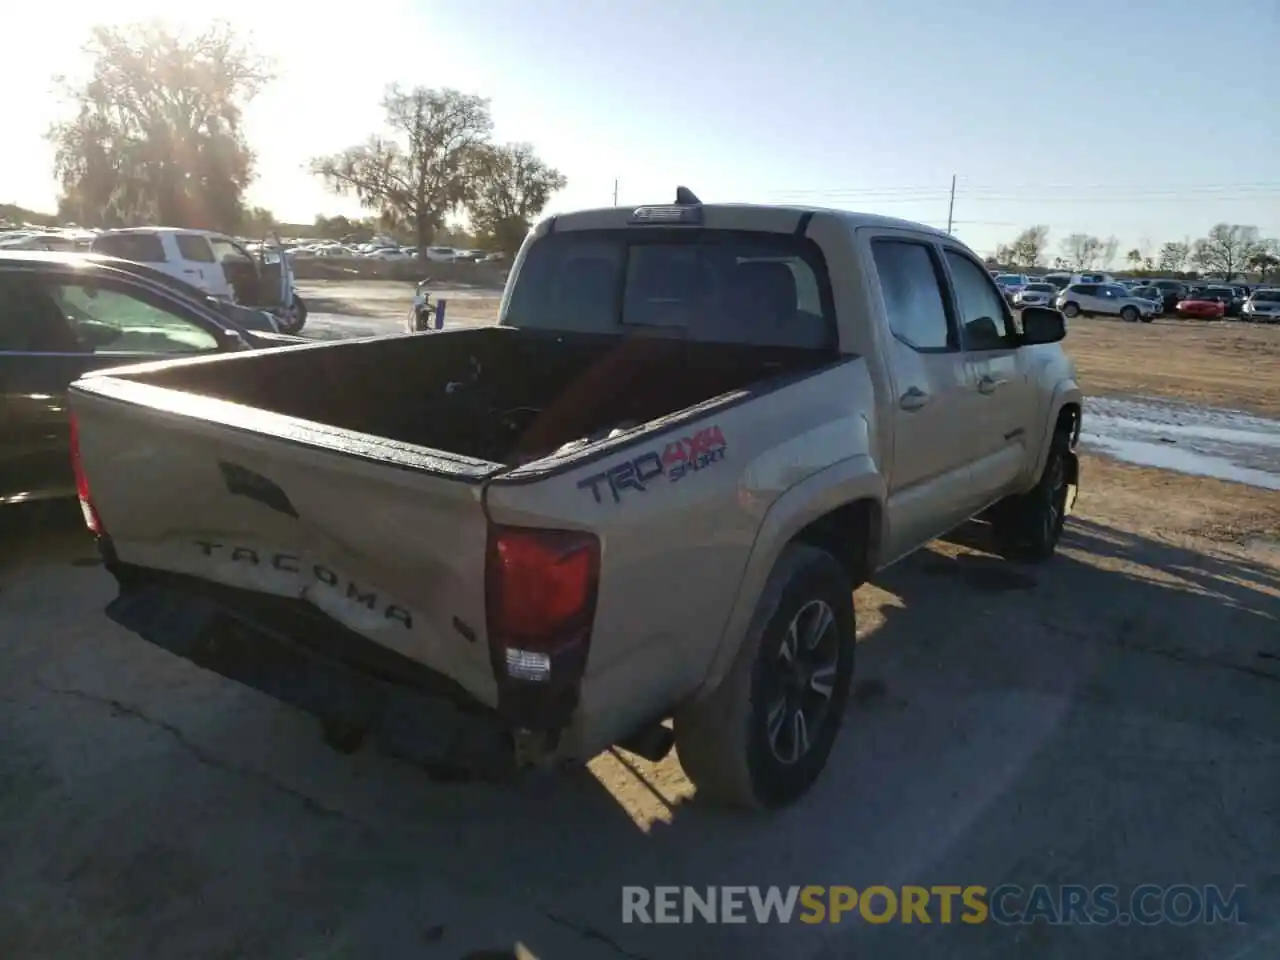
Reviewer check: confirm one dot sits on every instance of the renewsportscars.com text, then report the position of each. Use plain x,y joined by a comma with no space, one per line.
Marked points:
1102,905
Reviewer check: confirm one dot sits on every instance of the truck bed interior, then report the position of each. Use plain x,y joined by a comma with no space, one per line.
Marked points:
499,394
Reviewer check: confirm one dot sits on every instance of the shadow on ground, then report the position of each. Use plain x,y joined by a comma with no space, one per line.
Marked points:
1111,717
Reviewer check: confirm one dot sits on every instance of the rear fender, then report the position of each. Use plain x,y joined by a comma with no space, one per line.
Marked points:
856,478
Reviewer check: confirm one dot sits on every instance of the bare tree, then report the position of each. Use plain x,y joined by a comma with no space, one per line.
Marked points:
428,167
1028,247
156,134
1173,256
1081,251
1107,254
1225,250
513,189
1134,257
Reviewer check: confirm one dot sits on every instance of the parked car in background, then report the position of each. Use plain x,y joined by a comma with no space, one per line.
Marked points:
1263,306
441,254
1171,291
1010,284
1037,293
1105,299
63,315
1150,293
1198,306
1231,301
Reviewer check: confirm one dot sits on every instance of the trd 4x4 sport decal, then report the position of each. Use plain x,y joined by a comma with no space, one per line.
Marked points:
674,461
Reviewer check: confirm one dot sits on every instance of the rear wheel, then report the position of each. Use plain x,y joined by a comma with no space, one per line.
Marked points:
762,738
1071,309
294,317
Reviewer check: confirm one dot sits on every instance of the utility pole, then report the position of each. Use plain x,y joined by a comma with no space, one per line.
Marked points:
951,206
615,191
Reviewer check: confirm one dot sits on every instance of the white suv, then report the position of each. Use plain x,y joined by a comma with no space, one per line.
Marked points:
1109,299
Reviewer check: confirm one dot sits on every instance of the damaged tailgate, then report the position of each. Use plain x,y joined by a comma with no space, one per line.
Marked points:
388,539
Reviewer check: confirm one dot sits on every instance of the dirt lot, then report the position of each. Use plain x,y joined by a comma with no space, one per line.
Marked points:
1111,717
1225,364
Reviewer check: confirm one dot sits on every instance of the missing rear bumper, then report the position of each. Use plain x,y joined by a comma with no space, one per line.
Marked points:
333,678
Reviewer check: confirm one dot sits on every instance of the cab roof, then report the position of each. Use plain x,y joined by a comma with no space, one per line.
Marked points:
731,216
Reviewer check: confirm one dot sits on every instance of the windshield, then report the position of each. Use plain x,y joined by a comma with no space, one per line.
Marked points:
709,285
1271,295
1008,279
1041,288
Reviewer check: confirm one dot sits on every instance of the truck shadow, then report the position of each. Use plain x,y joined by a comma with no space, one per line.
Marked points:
1067,723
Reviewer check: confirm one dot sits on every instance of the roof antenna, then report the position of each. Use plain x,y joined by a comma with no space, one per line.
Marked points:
686,197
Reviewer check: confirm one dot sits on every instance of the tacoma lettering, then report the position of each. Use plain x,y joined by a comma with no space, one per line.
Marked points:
291,563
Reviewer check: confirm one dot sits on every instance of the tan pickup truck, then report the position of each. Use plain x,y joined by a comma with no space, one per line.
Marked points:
646,494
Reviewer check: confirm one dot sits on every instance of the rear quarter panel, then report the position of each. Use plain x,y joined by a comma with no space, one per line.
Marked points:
679,510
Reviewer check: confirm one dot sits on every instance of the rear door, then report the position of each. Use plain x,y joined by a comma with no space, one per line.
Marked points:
200,265
998,400
930,467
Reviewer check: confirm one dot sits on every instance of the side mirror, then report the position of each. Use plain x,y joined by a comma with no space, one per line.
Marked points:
1042,325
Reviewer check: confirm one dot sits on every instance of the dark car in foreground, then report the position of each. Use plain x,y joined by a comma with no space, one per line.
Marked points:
63,315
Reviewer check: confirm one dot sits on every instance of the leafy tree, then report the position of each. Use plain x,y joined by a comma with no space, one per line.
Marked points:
425,168
1264,259
512,190
1081,251
1028,247
1134,256
1173,256
1225,250
156,134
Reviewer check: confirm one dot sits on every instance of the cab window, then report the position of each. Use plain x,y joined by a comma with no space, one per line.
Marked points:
983,322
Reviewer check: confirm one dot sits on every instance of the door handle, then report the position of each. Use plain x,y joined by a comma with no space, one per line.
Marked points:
988,384
913,399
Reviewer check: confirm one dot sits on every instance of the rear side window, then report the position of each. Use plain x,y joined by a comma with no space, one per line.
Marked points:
192,246
139,247
911,285
710,285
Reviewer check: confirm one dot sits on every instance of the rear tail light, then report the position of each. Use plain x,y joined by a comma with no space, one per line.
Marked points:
540,600
91,518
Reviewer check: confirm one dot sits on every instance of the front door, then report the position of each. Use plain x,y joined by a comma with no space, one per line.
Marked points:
999,401
929,469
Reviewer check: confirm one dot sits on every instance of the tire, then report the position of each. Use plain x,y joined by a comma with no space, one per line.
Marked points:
732,744
1026,528
1148,318
1070,310
1129,314
296,318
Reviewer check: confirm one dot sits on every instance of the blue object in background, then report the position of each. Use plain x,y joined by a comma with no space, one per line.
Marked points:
440,305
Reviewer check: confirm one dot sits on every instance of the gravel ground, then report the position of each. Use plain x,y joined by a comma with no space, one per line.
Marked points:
1111,717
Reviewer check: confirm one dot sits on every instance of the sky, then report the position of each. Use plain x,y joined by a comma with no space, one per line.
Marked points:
1146,121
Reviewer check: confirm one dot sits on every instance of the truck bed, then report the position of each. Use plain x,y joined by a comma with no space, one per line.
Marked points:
496,394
